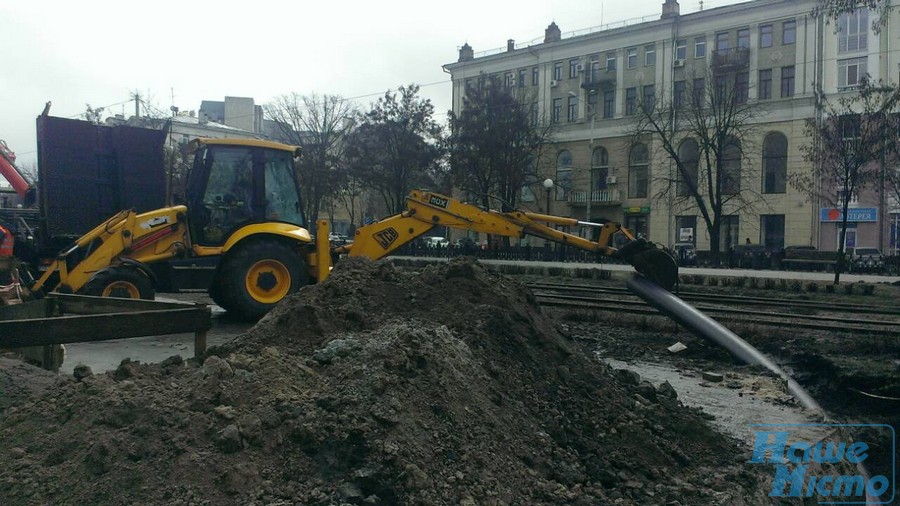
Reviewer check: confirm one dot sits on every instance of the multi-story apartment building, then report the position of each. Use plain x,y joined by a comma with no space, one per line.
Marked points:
773,51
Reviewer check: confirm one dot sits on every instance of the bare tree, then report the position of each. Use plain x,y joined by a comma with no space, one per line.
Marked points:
318,125
396,146
93,114
496,143
849,141
178,162
706,129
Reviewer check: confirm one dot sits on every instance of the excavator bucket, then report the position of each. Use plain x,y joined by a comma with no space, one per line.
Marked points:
653,262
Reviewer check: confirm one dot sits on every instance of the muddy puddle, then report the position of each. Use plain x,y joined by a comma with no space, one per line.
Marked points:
737,403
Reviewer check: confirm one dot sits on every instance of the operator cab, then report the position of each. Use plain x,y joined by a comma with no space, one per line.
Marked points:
237,182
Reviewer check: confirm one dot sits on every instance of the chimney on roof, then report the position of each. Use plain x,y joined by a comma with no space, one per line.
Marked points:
510,45
552,33
466,53
670,9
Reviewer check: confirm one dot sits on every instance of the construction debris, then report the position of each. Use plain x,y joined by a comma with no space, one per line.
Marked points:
447,386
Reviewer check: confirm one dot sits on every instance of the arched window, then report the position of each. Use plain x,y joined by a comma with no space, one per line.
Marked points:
638,172
599,169
775,148
731,168
689,154
563,181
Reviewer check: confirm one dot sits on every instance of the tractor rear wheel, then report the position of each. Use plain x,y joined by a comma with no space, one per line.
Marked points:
256,276
120,282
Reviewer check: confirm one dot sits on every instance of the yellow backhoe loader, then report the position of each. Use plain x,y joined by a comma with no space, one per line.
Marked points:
243,222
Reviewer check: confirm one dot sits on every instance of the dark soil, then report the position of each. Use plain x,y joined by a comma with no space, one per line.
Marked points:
445,386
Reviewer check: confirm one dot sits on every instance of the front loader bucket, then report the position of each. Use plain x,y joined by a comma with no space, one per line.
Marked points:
652,262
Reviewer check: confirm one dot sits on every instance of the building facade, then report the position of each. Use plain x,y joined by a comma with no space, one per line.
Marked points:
774,52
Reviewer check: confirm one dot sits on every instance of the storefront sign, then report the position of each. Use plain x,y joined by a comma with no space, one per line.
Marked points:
867,214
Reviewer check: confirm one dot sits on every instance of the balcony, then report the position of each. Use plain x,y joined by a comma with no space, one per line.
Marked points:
731,60
598,197
599,79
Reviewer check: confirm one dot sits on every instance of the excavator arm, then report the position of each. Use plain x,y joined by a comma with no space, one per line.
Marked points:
126,238
426,210
16,178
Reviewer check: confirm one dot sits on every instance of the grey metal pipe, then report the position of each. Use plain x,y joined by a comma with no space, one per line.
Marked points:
703,326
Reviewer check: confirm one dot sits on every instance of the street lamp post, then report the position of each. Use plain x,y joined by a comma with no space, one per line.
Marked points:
548,185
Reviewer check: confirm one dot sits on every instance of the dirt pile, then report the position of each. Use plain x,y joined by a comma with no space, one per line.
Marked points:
446,386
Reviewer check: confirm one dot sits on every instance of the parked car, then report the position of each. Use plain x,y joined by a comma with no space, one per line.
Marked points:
436,242
685,253
464,242
750,256
337,239
866,260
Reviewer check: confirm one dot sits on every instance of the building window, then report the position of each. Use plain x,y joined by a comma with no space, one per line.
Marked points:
631,58
572,110
563,181
743,38
638,172
700,47
470,85
630,101
573,68
535,73
509,80
729,232
609,104
557,109
678,92
765,84
534,114
592,99
594,74
610,61
689,155
771,231
741,87
680,49
557,71
521,80
765,36
648,103
531,181
686,229
731,169
775,163
787,81
649,55
698,92
599,170
853,31
638,224
789,32
851,71
722,41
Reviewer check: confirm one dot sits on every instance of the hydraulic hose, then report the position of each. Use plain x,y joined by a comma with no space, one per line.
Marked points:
703,326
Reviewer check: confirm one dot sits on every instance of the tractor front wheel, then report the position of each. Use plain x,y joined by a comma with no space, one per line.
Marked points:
256,276
120,282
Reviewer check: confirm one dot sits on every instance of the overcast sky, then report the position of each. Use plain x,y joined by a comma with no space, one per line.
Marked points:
180,53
